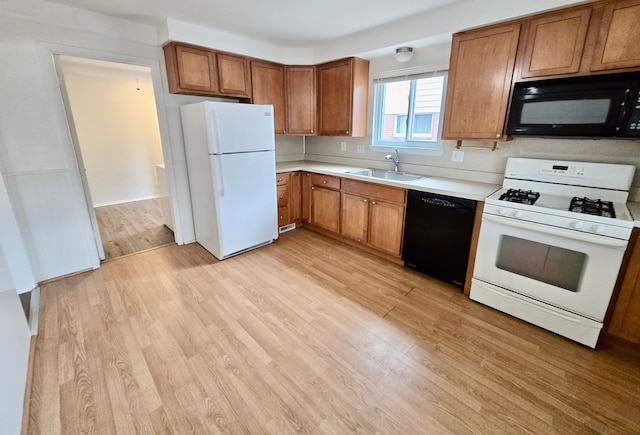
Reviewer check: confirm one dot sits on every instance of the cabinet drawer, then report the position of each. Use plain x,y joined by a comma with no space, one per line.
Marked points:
377,191
282,179
283,195
283,215
325,181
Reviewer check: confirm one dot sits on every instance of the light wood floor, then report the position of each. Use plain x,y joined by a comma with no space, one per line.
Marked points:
306,335
132,227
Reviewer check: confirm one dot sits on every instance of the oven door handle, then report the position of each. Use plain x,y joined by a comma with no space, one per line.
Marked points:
567,234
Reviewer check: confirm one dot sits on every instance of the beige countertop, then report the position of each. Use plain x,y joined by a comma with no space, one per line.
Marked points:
443,186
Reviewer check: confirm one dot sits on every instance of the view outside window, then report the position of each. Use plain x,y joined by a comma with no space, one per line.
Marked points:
409,110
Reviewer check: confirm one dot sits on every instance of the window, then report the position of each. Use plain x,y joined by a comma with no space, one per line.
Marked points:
407,111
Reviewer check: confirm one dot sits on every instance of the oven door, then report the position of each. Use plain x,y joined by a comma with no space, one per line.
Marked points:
568,269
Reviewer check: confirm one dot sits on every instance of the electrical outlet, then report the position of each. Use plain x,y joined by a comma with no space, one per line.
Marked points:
360,149
457,156
343,146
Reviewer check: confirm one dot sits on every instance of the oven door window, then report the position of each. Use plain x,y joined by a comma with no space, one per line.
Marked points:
552,265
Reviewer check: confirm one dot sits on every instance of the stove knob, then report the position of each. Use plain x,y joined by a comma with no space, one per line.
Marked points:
502,211
578,225
599,229
517,214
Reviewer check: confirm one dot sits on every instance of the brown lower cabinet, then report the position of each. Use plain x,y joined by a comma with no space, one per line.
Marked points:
625,320
373,214
368,213
295,197
325,202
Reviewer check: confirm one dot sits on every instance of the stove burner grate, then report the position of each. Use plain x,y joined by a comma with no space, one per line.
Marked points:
595,207
520,196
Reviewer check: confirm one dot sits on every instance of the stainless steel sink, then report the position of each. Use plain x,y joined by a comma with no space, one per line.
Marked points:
388,175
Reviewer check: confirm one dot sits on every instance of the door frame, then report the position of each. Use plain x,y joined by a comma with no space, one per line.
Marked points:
47,51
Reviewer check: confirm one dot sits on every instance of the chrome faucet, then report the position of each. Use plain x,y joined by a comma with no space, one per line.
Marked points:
395,160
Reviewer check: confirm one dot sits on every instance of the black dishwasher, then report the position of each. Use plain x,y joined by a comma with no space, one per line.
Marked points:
437,235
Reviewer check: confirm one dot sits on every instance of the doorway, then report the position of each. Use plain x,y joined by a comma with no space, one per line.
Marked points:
113,121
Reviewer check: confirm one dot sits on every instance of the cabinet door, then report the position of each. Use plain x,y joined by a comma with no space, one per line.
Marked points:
325,208
555,43
354,217
295,197
480,75
267,87
618,44
343,89
233,75
306,197
334,94
301,100
283,216
625,322
386,226
196,69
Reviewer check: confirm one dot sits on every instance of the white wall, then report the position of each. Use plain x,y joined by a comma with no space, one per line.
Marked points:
478,165
117,128
15,338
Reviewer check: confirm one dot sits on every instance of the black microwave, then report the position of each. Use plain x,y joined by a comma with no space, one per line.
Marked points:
594,106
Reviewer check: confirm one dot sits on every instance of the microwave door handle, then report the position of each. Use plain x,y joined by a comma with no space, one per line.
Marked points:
623,109
567,234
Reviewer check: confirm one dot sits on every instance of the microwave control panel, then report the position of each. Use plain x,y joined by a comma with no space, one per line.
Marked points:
633,125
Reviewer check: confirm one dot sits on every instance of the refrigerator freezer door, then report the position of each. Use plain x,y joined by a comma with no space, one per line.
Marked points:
245,202
239,128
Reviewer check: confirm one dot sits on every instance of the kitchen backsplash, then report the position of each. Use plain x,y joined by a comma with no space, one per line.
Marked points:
478,165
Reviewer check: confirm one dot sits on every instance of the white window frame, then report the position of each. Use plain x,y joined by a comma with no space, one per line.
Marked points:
408,147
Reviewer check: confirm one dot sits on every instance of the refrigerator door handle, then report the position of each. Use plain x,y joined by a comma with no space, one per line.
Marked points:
217,159
214,139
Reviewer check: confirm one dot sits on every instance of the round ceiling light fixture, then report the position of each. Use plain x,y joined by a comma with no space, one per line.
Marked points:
404,54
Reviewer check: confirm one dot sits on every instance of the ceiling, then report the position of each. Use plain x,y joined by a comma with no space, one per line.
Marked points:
288,23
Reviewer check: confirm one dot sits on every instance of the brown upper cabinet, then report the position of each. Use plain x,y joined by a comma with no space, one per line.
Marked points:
191,70
300,85
200,71
480,76
343,97
233,75
301,98
267,81
618,43
554,43
599,37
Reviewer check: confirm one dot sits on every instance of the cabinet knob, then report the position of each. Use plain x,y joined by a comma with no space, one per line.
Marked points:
281,196
324,181
373,202
311,131
279,180
365,200
346,132
313,188
308,174
498,135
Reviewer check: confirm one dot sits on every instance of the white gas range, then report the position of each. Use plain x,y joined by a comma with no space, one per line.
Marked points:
551,244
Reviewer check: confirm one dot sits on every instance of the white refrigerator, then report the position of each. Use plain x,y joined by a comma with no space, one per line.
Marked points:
230,149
